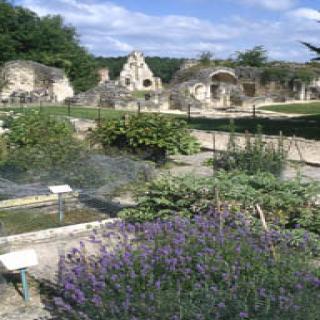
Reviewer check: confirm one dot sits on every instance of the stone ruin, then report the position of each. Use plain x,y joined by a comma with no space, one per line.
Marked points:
194,86
222,88
106,94
137,76
28,81
119,94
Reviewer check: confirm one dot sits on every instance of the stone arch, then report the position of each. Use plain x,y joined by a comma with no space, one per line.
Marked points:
224,75
200,91
147,83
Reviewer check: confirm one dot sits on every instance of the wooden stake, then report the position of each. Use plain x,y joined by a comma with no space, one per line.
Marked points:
262,218
265,227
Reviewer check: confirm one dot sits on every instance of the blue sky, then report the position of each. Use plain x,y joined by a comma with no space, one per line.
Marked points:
185,28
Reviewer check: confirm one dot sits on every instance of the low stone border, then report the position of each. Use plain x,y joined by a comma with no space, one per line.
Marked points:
53,233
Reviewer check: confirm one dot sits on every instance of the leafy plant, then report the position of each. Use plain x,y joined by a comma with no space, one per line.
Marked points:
154,136
288,203
255,156
38,140
40,145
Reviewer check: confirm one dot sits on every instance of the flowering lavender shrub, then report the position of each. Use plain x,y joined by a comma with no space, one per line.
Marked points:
205,268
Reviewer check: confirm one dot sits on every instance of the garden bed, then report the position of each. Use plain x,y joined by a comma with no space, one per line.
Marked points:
23,221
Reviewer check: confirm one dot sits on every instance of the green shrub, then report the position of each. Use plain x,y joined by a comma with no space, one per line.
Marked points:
187,269
38,140
43,147
256,156
153,136
287,203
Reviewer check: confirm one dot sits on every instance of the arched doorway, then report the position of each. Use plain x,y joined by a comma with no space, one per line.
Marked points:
222,82
200,92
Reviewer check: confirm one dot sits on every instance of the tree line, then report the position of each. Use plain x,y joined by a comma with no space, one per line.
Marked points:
48,40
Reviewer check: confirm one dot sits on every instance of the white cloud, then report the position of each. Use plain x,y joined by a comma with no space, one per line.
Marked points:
272,4
305,13
109,29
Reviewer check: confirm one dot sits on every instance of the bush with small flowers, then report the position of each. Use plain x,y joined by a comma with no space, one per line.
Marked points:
210,267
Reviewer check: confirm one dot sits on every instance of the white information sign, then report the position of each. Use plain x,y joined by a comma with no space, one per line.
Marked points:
19,260
60,189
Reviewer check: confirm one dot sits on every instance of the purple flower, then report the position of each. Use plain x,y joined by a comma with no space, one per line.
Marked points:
243,315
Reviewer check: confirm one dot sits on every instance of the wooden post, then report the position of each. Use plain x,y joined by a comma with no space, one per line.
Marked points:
214,158
99,116
60,204
69,107
25,289
217,198
139,107
266,229
254,111
189,112
298,149
20,101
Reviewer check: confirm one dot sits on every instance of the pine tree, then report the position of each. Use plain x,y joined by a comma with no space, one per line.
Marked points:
314,49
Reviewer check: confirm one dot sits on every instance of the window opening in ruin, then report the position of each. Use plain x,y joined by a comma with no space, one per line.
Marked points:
214,89
249,89
147,83
127,82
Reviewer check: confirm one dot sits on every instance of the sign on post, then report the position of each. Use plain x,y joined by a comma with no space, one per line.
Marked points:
60,190
20,261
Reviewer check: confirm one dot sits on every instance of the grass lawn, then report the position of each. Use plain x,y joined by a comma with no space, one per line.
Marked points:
29,220
306,126
139,94
298,108
77,112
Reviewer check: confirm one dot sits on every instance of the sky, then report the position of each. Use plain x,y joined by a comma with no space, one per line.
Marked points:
185,28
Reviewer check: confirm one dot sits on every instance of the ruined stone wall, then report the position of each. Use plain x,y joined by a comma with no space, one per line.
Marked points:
35,80
62,90
17,78
136,74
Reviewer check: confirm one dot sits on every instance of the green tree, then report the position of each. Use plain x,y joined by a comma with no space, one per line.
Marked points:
48,40
255,57
206,58
314,49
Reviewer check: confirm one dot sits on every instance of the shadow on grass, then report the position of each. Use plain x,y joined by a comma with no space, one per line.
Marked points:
307,127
